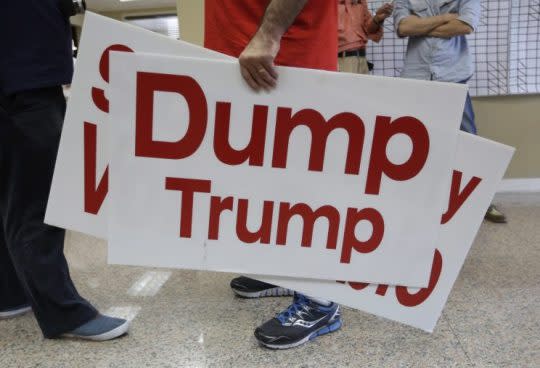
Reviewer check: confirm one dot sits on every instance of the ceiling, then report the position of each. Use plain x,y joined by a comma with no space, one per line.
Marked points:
117,5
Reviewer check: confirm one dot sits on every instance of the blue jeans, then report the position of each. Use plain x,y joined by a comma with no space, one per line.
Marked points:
33,269
467,122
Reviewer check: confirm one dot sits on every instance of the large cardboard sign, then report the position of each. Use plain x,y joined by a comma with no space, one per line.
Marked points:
479,167
209,175
81,181
80,184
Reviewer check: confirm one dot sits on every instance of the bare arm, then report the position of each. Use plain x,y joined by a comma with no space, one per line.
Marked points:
452,29
374,23
279,16
257,59
416,26
373,26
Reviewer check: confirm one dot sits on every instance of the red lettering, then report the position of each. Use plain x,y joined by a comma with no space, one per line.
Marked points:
98,95
350,242
217,206
381,290
385,129
188,187
456,198
358,285
309,217
411,300
93,195
263,233
145,145
254,151
320,130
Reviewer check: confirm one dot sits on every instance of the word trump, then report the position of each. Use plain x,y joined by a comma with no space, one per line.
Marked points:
189,187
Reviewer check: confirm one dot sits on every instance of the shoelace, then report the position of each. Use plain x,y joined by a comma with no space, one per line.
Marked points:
293,309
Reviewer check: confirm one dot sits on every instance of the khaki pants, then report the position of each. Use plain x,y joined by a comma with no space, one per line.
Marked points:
353,64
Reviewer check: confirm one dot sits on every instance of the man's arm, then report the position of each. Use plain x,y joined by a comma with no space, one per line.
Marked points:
257,59
466,22
451,29
374,24
416,26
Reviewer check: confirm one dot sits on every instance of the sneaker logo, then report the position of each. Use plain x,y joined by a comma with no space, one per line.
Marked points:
307,324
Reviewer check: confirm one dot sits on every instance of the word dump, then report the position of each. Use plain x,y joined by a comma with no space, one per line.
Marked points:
253,154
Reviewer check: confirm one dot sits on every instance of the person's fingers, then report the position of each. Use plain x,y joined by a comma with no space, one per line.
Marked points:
248,78
269,66
265,76
267,72
255,71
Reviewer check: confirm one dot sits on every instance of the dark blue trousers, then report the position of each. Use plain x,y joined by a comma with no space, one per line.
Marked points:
33,269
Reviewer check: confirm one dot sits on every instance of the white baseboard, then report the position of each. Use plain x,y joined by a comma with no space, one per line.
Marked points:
527,185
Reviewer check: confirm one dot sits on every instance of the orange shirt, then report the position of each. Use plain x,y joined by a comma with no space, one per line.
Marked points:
353,23
310,42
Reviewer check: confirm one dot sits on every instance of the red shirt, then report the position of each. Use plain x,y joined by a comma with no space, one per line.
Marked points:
310,42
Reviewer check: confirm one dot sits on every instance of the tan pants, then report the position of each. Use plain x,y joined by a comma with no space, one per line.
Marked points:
353,64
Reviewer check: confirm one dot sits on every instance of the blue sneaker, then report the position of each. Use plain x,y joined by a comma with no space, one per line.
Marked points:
15,312
101,328
303,321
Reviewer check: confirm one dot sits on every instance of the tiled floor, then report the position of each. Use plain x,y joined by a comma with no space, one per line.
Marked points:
191,319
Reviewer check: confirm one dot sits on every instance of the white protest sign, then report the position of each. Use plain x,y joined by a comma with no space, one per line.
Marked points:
209,175
80,183
479,168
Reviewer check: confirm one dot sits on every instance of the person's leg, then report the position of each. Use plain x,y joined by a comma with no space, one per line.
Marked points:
363,67
12,296
353,64
342,64
468,125
36,249
348,64
467,122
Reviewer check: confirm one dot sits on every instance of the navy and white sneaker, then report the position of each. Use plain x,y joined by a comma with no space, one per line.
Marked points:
246,287
303,321
101,328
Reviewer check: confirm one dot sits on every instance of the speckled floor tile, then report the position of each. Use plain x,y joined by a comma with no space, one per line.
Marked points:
192,319
494,309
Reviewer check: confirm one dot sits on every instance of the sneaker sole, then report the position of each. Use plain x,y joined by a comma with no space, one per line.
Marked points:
109,335
321,331
496,221
15,313
277,291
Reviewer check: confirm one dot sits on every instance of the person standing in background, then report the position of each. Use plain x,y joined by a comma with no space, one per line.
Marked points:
297,33
356,26
438,50
36,60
